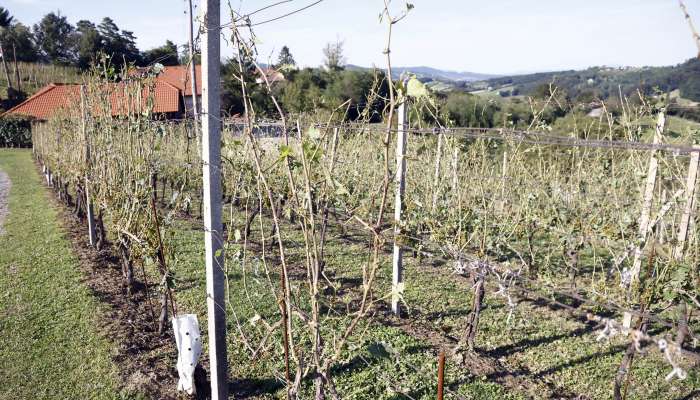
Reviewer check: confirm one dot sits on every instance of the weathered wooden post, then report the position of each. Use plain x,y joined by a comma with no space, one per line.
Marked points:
689,203
211,202
691,25
648,198
438,160
397,285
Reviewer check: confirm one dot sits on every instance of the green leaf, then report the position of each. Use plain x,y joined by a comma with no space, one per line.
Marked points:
285,151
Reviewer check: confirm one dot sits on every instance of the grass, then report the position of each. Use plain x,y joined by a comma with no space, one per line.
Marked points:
363,373
50,346
548,349
552,352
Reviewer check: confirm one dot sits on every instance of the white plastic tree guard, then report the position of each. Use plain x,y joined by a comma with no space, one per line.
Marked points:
189,348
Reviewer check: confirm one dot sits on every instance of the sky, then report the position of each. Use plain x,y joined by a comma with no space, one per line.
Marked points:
485,36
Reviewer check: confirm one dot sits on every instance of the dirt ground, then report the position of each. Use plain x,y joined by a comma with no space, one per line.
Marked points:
5,185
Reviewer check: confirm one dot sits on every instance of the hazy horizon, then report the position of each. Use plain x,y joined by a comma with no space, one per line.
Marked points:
498,38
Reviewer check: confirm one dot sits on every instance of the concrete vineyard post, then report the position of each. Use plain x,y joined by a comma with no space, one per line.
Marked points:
397,284
689,202
193,68
211,159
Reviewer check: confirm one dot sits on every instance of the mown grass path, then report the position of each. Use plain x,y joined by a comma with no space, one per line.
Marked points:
49,342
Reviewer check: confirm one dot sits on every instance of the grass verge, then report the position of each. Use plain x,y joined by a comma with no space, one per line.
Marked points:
50,348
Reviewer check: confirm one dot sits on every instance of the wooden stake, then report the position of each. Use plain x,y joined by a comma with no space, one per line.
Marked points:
90,215
397,285
438,159
4,66
689,203
648,198
441,375
691,25
88,203
17,77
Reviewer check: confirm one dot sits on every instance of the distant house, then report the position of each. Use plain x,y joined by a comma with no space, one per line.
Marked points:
172,97
180,77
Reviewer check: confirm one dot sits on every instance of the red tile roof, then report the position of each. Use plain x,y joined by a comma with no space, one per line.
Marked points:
48,101
166,99
179,76
56,97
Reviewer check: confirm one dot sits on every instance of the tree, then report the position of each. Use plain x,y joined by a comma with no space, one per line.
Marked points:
119,45
302,93
231,91
357,87
5,18
89,43
285,59
5,21
465,109
333,58
18,39
54,38
166,55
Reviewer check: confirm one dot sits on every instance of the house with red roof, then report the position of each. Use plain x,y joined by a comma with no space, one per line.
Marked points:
171,96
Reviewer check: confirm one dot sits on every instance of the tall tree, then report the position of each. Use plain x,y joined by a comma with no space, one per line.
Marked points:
5,21
166,55
120,45
19,37
285,58
54,38
89,43
333,58
5,18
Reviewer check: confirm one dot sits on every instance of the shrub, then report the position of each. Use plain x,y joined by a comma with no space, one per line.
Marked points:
15,132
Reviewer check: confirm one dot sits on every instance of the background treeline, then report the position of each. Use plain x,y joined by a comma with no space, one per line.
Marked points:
54,50
54,40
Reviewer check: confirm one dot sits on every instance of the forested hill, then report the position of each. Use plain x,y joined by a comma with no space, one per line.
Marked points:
602,82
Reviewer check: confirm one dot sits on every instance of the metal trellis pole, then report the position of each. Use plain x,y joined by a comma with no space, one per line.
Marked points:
211,159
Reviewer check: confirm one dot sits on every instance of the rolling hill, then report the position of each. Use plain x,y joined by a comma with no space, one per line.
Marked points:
433,74
602,82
